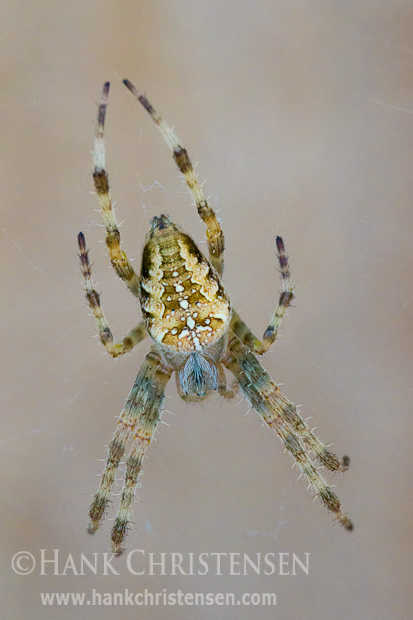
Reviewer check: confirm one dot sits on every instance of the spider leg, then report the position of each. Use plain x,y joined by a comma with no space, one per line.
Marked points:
215,236
286,296
281,415
133,338
118,258
145,411
140,414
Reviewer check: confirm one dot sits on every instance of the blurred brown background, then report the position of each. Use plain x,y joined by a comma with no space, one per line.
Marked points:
300,114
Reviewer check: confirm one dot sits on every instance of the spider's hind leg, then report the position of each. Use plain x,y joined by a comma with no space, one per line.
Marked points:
118,258
215,236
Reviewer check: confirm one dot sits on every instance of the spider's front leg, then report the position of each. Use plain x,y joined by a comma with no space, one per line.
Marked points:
281,415
286,297
130,340
140,416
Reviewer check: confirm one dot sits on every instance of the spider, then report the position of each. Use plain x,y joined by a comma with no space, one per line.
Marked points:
195,334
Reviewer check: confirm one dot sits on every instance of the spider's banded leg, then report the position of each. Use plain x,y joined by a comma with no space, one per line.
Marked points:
118,258
275,410
145,412
126,424
215,236
286,296
284,302
133,338
292,417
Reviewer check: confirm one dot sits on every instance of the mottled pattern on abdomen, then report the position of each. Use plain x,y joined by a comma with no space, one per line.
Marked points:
183,301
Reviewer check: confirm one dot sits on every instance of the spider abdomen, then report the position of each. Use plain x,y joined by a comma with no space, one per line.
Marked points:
183,301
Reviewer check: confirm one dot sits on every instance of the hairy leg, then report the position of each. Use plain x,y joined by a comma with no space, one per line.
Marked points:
133,338
286,296
118,258
147,409
215,236
139,415
281,415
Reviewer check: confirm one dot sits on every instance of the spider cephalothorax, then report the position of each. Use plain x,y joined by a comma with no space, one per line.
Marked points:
195,334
